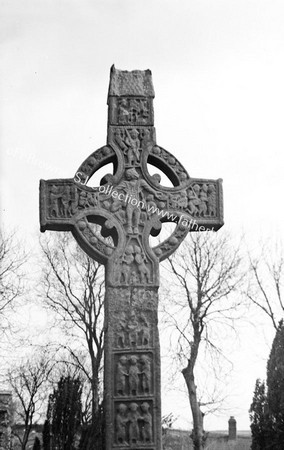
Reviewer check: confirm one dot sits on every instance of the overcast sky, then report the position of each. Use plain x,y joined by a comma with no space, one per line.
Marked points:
218,71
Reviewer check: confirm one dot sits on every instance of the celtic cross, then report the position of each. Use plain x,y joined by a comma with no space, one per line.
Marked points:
112,223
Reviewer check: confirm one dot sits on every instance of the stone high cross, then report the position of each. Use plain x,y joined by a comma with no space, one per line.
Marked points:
112,223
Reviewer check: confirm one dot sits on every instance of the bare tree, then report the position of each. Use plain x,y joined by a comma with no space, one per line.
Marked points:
28,381
12,258
206,273
74,290
265,289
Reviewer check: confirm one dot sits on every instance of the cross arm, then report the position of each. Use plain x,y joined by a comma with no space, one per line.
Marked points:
68,206
57,199
200,204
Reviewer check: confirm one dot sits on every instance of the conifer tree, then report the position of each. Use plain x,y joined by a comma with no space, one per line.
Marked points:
275,388
259,417
267,408
46,435
66,411
36,445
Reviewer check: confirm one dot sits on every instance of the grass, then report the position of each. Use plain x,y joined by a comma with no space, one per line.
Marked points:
239,444
180,440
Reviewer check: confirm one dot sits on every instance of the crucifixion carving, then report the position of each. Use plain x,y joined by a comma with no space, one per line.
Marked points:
112,223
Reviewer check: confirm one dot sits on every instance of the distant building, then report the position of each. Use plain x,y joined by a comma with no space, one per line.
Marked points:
232,428
5,419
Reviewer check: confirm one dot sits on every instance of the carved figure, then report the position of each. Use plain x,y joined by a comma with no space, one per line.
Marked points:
133,186
143,271
66,201
132,330
144,111
121,331
92,199
135,108
55,195
133,418
121,421
134,279
203,200
83,200
87,199
182,200
147,433
194,201
133,375
121,375
133,143
146,376
139,110
127,259
211,200
123,113
144,331
146,139
133,189
156,178
119,137
178,201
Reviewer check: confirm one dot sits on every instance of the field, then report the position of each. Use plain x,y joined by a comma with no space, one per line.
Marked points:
180,440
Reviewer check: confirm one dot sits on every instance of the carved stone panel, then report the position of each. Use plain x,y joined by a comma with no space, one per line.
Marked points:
134,423
131,141
134,374
130,111
133,330
61,201
132,336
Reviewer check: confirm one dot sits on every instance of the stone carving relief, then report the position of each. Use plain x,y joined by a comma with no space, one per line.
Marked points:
175,165
145,299
134,375
87,200
137,298
134,423
138,203
121,423
146,374
202,200
95,160
118,297
94,238
131,142
133,190
135,268
61,200
133,330
178,201
166,246
147,428
133,418
133,111
121,374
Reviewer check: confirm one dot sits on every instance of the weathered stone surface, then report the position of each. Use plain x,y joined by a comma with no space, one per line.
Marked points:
129,205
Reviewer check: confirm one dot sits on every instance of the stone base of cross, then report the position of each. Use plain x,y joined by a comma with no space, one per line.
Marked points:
112,223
